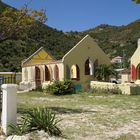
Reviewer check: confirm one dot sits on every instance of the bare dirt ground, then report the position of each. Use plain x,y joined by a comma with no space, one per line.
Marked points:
86,116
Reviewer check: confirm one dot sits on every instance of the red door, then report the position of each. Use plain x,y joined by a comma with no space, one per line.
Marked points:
56,70
133,72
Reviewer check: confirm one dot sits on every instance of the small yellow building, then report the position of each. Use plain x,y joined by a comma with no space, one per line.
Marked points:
78,65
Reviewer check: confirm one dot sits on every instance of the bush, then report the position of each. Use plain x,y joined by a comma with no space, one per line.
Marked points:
38,119
44,119
61,88
21,128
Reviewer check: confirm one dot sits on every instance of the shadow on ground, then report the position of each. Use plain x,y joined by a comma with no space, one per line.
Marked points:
57,110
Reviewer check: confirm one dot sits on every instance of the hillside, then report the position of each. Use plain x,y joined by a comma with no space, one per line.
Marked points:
112,39
2,6
116,40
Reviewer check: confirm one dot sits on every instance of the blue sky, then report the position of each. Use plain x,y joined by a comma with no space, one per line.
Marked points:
80,15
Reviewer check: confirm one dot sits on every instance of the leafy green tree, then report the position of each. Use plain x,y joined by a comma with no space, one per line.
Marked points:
15,23
137,1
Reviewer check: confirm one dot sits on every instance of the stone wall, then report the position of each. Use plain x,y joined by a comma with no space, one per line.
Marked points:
126,88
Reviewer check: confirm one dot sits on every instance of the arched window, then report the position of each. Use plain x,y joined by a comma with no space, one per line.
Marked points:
67,72
56,72
26,74
88,67
75,72
91,67
47,74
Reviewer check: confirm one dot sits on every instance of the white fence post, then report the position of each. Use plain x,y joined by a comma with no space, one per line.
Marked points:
9,106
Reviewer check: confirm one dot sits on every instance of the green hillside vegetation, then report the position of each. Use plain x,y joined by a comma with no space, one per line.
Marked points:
113,40
2,6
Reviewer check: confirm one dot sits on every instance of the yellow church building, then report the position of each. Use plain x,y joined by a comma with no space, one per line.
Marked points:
78,65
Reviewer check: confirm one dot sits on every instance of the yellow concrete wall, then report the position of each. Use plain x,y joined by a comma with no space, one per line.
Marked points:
85,49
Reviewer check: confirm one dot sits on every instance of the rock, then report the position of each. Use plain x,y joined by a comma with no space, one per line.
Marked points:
15,137
2,137
43,135
39,135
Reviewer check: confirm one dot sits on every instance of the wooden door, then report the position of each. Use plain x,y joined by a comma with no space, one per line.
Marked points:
37,77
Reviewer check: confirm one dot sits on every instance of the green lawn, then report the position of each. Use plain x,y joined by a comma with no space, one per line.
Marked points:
89,116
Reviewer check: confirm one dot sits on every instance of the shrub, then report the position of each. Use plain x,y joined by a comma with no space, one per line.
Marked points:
38,119
61,87
21,128
44,119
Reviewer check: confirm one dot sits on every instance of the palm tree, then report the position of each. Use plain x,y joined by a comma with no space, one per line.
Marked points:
103,72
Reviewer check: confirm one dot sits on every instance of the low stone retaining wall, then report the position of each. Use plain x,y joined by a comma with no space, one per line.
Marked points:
126,88
27,85
45,84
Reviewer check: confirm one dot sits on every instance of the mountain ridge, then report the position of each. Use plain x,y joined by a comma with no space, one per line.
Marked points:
114,40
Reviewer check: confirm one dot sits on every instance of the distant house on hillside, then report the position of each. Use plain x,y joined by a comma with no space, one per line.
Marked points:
117,59
126,76
78,65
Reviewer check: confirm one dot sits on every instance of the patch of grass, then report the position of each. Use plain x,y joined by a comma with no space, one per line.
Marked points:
32,94
126,137
87,114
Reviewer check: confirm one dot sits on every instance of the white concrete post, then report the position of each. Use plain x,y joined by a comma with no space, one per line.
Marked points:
9,106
